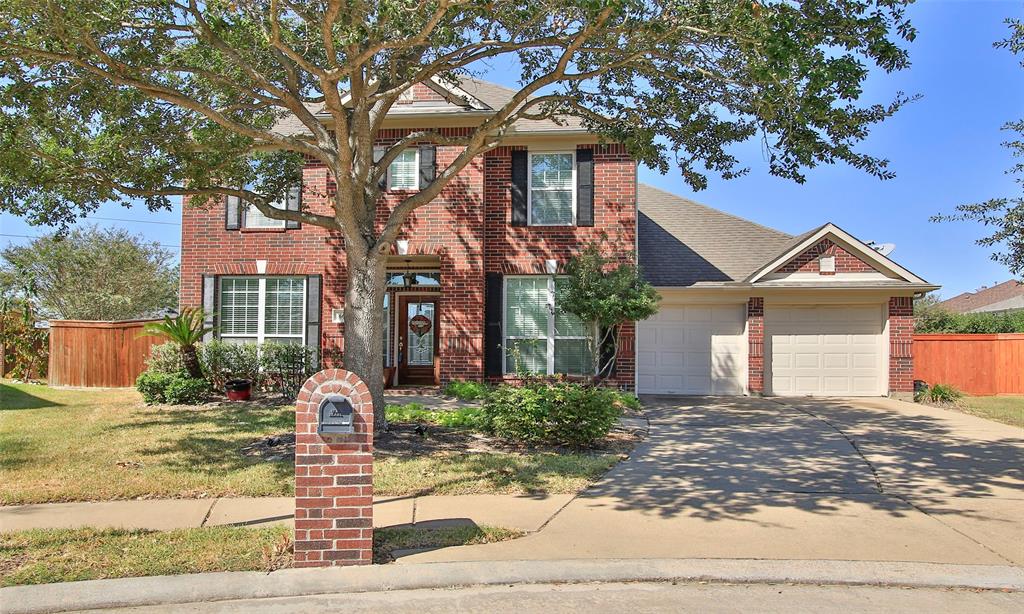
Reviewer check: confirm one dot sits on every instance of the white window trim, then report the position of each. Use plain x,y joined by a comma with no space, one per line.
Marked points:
529,186
261,305
276,223
416,171
550,336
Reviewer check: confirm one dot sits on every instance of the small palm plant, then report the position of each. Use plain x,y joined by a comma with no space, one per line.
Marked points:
184,330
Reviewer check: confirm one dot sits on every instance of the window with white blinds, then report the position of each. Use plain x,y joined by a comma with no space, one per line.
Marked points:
404,172
254,218
552,180
539,337
258,309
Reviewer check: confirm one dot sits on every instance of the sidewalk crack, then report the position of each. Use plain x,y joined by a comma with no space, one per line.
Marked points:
208,512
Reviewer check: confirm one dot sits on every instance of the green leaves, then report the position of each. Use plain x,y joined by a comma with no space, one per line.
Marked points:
94,274
606,291
185,329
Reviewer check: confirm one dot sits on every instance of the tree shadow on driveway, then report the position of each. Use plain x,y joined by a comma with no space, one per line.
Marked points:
717,458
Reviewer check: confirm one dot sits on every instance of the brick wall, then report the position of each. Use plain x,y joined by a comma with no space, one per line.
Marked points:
755,339
901,344
807,261
467,227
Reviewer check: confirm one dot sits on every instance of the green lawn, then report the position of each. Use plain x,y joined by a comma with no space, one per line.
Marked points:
67,555
1005,409
89,445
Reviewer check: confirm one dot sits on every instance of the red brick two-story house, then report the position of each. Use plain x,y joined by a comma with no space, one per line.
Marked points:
472,281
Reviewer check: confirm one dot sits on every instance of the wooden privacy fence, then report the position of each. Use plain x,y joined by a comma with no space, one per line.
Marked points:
977,364
98,354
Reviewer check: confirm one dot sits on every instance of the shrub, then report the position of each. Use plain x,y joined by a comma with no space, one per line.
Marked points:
164,358
937,320
223,361
185,390
153,384
287,366
471,418
466,390
939,393
576,415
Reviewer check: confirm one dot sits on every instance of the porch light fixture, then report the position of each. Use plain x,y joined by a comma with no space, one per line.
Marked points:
409,279
402,245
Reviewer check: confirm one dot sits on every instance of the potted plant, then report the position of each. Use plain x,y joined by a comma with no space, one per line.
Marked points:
238,389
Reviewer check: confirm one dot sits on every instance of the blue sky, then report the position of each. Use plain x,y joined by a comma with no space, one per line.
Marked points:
945,149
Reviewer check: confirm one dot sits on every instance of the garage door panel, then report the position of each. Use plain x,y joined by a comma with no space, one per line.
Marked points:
693,349
826,350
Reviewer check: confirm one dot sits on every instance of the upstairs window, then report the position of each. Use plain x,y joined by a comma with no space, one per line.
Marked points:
254,218
552,189
404,172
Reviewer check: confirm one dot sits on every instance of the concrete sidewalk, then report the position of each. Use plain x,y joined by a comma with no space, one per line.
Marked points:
513,512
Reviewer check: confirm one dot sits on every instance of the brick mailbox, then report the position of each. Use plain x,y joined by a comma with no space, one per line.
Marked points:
334,471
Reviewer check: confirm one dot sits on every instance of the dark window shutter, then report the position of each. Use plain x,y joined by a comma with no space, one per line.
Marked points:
209,305
520,164
428,165
493,317
232,213
313,315
293,202
584,187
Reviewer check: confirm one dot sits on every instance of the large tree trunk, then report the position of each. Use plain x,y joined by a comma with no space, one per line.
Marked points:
364,319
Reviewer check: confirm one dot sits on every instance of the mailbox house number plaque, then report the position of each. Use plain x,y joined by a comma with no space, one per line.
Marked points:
335,415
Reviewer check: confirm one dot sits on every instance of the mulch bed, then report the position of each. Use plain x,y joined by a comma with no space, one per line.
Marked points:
404,440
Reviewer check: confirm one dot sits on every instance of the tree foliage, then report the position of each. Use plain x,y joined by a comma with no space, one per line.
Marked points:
1004,215
24,349
96,274
939,320
605,293
122,99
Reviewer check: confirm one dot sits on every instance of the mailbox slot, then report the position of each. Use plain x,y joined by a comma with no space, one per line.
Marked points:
335,415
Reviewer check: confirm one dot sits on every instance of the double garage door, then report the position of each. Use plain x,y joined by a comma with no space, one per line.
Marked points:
825,350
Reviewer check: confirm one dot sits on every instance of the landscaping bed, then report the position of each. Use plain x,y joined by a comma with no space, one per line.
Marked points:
67,555
93,445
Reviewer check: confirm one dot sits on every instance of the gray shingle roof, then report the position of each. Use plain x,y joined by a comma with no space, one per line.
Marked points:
492,95
684,243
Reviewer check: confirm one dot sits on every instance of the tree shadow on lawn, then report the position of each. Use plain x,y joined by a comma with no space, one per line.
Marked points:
718,458
210,438
14,398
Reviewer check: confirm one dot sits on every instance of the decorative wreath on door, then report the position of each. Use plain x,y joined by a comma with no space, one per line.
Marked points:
420,324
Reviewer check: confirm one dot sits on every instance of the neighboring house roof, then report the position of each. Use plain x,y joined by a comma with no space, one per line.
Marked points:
1011,304
470,97
684,243
975,301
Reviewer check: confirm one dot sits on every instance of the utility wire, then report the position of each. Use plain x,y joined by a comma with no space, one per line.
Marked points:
6,234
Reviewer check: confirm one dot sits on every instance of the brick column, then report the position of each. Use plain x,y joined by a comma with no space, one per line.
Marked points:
901,346
333,476
755,337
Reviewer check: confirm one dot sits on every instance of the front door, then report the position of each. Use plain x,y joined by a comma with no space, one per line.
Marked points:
417,339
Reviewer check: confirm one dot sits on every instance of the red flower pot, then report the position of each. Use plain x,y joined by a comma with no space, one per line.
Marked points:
238,389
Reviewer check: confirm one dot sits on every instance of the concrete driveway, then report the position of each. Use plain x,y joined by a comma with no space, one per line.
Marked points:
864,479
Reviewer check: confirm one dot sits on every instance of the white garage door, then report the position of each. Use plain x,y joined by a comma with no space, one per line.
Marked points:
826,350
693,349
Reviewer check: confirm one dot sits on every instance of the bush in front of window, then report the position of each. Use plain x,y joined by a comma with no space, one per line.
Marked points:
171,388
287,366
564,413
222,361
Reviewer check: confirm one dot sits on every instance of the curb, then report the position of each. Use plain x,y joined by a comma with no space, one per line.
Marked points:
223,586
